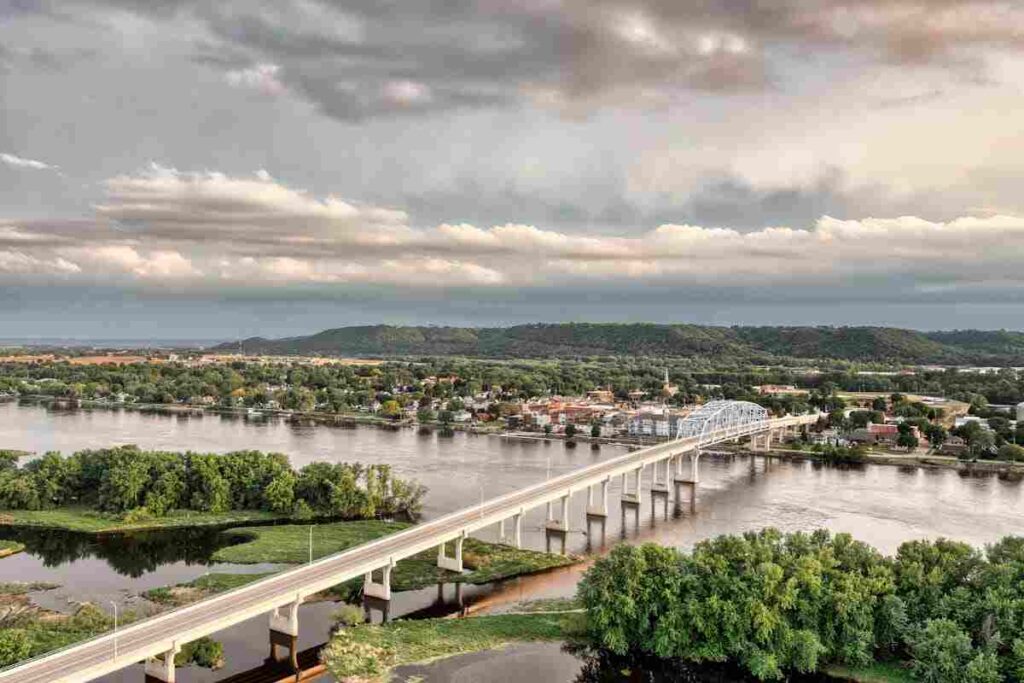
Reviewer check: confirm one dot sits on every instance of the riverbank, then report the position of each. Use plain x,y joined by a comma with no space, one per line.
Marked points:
85,520
924,461
373,651
337,419
8,548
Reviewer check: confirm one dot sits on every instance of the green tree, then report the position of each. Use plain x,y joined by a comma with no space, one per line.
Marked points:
570,430
595,430
941,652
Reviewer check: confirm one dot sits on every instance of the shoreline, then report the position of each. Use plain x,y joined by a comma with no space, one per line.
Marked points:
926,461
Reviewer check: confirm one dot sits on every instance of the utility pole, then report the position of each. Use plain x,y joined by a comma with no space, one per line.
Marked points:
311,544
114,605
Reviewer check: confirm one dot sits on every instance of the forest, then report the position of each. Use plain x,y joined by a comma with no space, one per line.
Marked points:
127,481
575,340
776,604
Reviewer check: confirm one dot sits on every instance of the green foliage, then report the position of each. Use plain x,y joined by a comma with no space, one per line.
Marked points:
941,652
775,604
582,339
370,651
348,615
205,652
15,645
141,485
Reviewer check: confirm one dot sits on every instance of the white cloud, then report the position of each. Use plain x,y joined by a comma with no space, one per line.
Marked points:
406,93
208,228
260,77
21,162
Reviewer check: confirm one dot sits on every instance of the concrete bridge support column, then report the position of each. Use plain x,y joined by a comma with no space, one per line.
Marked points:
453,564
382,590
688,481
598,512
284,631
558,528
161,670
517,529
659,488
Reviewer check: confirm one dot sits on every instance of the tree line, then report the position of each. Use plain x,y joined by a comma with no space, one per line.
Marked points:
128,481
775,604
303,386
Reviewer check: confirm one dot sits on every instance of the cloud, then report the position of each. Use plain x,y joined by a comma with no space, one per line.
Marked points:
260,77
21,162
210,230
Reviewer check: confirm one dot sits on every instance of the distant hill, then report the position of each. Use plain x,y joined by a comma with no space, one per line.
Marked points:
585,339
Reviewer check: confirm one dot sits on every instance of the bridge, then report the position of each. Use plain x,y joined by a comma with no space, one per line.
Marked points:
156,640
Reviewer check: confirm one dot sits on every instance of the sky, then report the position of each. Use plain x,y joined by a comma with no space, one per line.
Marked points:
215,170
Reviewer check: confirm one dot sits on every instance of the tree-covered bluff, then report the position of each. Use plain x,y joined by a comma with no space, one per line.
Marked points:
135,483
884,344
776,604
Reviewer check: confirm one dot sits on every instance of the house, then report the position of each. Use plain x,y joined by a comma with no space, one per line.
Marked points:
881,434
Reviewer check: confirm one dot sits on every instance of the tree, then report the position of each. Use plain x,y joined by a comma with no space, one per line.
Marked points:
570,430
391,409
907,440
595,430
1011,452
980,442
878,403
936,435
280,493
424,415
941,652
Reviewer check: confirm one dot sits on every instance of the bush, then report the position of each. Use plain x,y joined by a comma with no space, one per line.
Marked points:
205,652
348,615
347,658
15,646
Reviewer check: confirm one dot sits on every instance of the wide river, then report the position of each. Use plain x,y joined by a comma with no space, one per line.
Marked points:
883,506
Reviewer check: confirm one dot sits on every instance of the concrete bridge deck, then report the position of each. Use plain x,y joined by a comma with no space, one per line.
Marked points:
165,633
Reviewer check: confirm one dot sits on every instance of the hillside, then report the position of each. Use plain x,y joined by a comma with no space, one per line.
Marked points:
972,347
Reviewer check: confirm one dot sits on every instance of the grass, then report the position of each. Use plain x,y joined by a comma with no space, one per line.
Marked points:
877,672
23,587
10,548
372,651
203,587
90,521
289,543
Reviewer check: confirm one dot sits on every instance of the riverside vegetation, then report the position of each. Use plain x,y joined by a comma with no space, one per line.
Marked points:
764,604
776,604
129,487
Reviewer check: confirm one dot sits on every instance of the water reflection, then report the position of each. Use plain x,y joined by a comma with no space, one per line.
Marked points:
129,555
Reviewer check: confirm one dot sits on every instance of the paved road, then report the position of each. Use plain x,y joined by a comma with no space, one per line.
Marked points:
96,657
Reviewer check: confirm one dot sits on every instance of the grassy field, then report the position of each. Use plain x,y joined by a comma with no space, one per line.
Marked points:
289,543
90,521
10,548
372,651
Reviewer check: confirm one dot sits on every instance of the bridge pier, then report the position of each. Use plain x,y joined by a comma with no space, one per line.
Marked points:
161,670
284,631
382,590
453,564
688,482
558,528
633,499
598,513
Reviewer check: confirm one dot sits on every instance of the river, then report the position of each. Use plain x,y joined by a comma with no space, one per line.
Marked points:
883,506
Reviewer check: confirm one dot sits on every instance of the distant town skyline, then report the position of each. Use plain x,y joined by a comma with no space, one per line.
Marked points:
191,170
